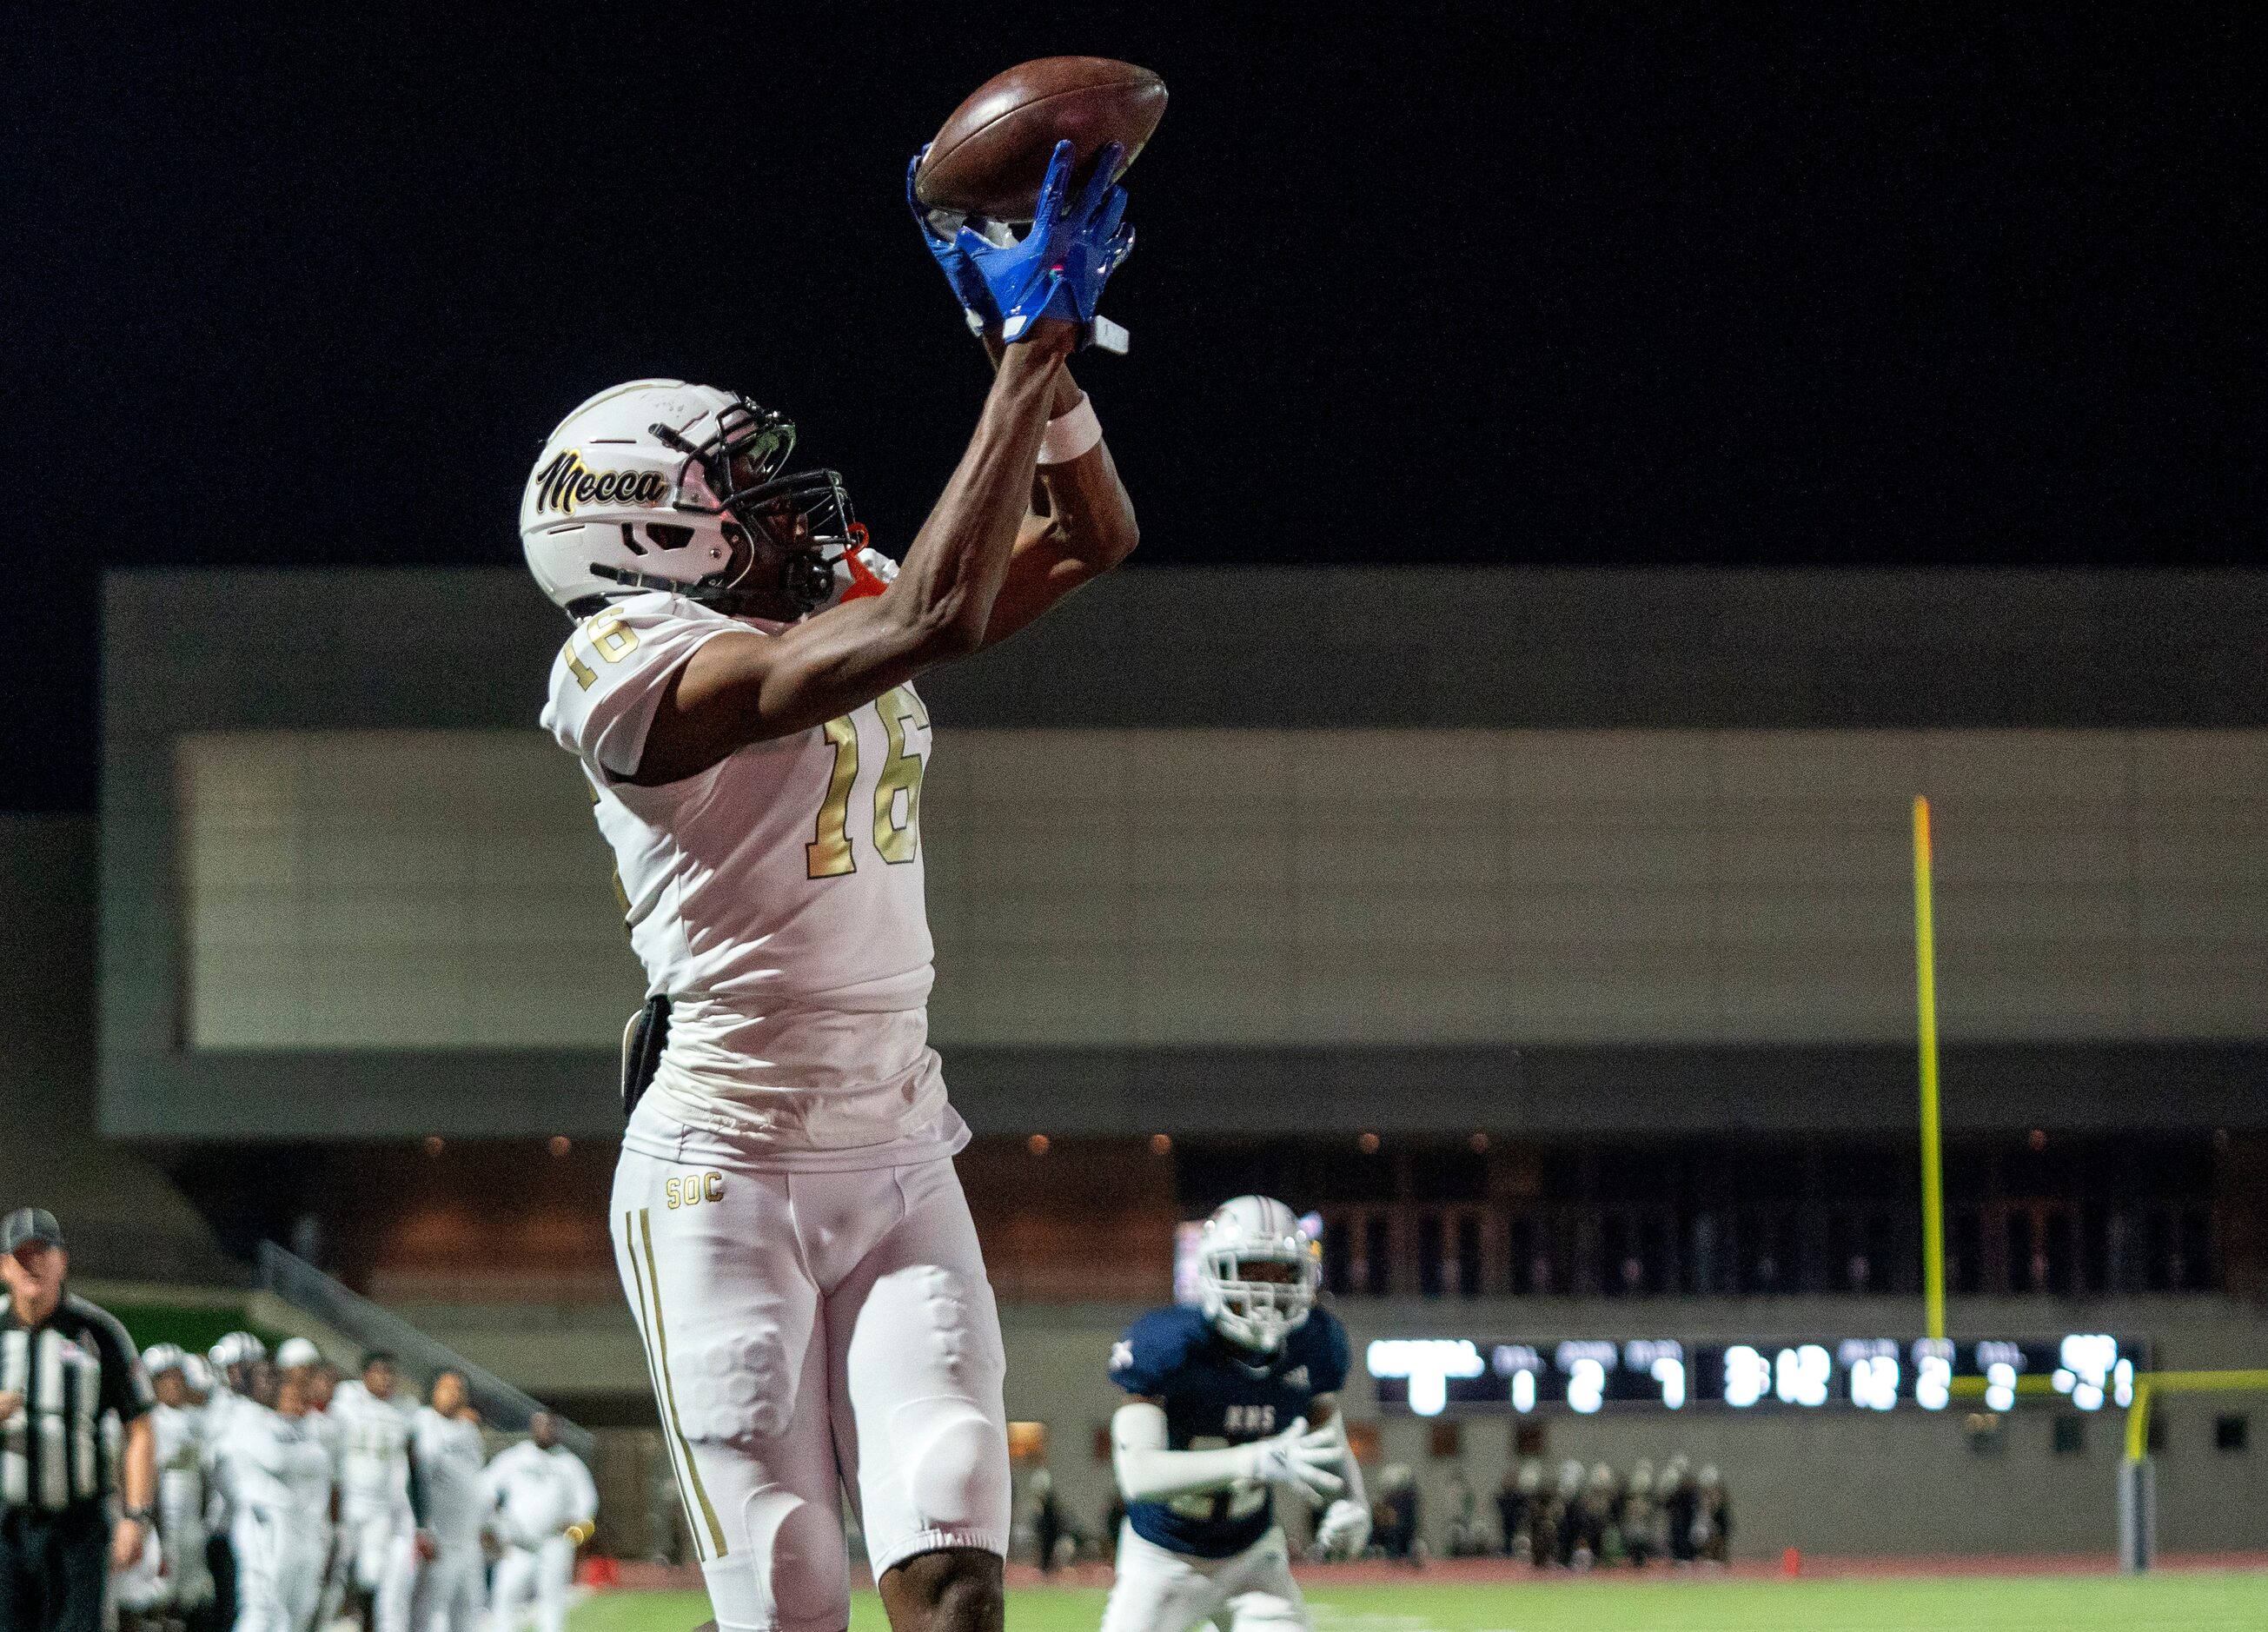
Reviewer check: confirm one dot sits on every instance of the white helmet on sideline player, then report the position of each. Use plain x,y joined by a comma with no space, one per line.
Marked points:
159,1358
1257,1313
660,484
236,1348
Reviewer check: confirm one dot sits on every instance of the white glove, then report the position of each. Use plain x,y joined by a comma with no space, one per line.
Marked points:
1298,1460
1345,1530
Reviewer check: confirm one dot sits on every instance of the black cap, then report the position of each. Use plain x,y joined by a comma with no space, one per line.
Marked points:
27,1225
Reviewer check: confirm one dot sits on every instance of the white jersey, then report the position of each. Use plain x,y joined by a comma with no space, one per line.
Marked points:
273,1465
776,898
373,1449
324,1426
182,1457
536,1494
448,1454
181,1445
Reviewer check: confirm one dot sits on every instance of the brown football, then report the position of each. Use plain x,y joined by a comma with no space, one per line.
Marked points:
989,157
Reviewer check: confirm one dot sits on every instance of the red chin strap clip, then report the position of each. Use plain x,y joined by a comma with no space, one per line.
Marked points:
864,579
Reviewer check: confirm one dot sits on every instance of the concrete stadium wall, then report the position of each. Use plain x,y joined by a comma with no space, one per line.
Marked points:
1685,905
421,890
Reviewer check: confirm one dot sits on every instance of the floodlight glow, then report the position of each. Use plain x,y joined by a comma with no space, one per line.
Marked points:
1800,1376
2000,1387
1428,1363
1933,1382
1874,1382
1748,1377
1587,1386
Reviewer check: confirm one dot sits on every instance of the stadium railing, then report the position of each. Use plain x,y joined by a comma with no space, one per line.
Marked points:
308,1289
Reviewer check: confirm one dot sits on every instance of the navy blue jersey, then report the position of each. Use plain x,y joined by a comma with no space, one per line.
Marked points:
1216,1394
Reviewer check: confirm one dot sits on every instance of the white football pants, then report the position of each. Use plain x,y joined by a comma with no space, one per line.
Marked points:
547,1571
1155,1589
279,1569
806,1331
383,1543
449,1587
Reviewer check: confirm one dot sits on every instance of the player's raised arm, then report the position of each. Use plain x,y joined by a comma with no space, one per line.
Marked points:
741,688
1081,523
1043,290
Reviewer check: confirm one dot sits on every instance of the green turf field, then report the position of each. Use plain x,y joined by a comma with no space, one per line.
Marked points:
2160,1603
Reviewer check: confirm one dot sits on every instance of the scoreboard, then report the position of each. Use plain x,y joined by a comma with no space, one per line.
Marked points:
1429,1375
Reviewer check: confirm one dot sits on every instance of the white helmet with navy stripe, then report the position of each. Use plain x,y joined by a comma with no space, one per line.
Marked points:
1256,1272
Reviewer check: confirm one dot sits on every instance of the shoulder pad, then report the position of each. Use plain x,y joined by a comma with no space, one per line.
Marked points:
1320,1344
1155,1348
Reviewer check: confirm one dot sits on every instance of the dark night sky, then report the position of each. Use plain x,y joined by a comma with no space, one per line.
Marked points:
1575,285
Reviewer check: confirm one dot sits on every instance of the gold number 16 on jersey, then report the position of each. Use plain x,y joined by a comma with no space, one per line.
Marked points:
898,827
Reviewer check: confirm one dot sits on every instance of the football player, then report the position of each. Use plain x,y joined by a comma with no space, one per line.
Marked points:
230,1361
171,1582
738,689
446,1444
1233,1400
538,1497
278,1477
380,1497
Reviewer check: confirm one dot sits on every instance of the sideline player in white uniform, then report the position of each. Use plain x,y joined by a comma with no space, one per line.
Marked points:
447,1444
302,1363
788,1225
1233,1400
379,1498
176,1583
231,1361
542,1506
279,1479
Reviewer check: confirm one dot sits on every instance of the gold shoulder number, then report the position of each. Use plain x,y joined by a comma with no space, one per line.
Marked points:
609,637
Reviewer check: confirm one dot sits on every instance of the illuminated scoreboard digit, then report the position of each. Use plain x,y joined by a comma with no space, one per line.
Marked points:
1431,1375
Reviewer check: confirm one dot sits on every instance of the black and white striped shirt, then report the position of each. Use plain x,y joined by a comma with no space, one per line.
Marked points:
70,1374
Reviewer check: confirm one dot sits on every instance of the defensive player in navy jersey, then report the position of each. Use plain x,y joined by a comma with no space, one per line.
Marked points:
1233,1400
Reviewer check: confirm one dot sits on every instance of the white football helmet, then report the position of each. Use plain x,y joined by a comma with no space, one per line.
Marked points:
660,484
1258,1315
159,1358
235,1348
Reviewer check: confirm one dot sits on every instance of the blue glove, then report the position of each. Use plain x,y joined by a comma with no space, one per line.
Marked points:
1057,268
939,229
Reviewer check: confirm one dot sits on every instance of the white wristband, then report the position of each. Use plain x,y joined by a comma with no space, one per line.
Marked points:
1067,438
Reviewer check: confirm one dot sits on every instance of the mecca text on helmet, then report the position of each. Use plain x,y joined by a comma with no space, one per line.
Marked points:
659,484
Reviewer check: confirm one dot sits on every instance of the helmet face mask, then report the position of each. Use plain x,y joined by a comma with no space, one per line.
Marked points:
804,516
1256,1273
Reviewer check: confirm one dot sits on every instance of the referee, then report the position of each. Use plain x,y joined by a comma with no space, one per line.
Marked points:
65,1366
